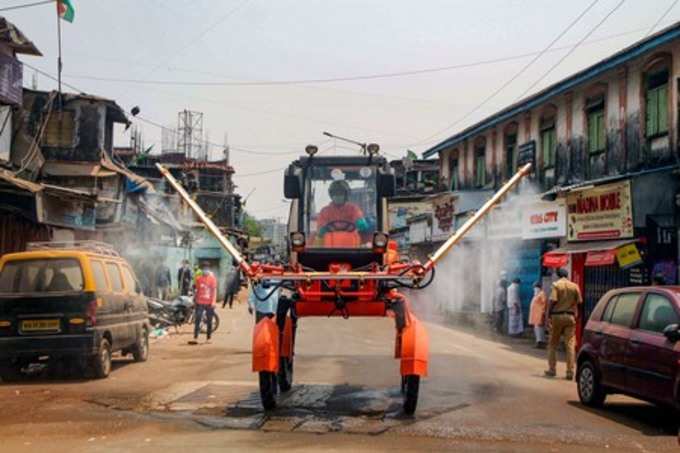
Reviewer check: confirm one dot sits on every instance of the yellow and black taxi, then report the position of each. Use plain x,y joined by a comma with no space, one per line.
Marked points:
74,303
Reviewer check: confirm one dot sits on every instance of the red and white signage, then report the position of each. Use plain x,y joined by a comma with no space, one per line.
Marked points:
604,212
544,220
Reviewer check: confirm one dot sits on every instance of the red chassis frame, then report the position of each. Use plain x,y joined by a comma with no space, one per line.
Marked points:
346,295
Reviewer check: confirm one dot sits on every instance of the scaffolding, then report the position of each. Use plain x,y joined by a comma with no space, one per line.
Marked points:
190,140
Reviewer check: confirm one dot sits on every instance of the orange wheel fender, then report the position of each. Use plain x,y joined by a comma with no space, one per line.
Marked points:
415,346
287,344
266,346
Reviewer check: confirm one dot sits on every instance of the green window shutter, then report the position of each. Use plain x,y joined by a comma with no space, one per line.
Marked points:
652,116
601,132
662,109
592,145
553,146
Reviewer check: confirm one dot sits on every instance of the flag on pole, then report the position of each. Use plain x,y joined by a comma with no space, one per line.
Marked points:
65,10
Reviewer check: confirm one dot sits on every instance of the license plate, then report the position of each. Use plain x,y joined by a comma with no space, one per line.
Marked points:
40,325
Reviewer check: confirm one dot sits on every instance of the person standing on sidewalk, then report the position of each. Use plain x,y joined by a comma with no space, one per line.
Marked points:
500,306
184,278
205,299
515,321
537,315
565,297
232,287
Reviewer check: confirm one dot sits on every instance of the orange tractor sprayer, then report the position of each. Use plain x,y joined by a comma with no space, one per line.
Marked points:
341,264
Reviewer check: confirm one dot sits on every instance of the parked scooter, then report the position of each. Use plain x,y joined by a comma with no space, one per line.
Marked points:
176,313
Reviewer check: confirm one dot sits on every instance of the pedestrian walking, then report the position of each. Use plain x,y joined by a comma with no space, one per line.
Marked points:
515,321
263,300
500,306
232,286
537,315
184,278
205,299
163,281
565,298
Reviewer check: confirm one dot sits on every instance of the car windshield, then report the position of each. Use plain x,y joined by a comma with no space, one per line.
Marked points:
41,276
341,207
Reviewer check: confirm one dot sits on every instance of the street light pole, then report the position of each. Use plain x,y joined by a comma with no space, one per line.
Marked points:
364,146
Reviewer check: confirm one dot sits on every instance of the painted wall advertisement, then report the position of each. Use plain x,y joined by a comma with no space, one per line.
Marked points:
399,212
603,212
544,220
443,225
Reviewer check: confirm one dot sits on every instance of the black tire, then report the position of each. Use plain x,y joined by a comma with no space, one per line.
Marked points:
285,374
590,389
10,372
101,362
268,390
140,350
410,385
215,323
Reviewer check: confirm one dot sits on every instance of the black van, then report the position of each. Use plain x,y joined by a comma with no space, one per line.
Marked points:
69,303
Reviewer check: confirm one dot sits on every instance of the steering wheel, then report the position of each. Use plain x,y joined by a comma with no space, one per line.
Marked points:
341,225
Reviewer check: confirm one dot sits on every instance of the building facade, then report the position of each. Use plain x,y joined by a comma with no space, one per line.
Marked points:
604,145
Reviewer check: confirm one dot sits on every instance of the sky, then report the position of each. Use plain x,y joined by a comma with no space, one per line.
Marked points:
160,55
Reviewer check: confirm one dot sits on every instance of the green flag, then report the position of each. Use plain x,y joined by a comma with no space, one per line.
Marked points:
65,10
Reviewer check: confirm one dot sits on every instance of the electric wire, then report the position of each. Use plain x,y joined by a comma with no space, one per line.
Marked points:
571,51
663,16
26,5
511,79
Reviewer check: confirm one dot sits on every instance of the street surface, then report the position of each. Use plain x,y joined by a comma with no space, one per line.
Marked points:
482,395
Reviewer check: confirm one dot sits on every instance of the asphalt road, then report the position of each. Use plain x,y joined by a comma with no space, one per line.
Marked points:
483,394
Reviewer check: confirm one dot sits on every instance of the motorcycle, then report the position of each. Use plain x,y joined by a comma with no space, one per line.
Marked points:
176,313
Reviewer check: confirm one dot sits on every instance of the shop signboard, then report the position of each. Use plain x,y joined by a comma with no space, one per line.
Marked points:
526,153
603,212
504,223
541,220
628,256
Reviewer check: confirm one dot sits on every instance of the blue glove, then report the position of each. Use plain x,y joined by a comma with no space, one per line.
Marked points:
323,230
362,225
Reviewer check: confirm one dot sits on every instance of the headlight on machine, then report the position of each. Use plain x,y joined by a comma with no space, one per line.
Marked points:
297,241
380,242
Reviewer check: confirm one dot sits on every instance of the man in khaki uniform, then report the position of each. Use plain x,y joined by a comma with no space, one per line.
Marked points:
565,297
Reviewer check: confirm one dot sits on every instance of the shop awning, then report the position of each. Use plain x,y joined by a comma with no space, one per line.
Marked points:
599,253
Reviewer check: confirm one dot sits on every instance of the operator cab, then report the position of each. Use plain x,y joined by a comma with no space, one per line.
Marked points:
339,210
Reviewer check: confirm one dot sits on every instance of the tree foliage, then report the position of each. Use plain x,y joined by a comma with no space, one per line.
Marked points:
251,225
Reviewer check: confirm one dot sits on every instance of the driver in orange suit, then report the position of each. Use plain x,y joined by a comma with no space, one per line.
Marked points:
341,215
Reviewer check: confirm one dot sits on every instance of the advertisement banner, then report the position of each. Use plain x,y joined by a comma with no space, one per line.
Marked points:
603,212
400,211
628,256
544,220
443,225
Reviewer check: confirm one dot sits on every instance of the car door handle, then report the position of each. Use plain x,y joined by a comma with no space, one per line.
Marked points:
635,342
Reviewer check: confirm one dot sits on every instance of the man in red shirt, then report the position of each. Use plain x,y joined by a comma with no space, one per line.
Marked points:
205,299
341,219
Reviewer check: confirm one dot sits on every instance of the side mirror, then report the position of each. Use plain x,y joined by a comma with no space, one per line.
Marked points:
291,185
387,185
672,332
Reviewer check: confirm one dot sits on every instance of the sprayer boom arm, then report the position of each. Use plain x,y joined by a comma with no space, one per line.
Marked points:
233,251
458,235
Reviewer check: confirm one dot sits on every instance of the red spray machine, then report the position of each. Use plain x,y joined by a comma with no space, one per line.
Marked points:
339,265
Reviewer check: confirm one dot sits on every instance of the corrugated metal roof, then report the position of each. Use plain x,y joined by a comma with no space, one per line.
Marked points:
61,168
662,37
23,184
15,39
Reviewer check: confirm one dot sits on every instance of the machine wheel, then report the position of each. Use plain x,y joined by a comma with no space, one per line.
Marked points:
101,362
410,385
285,375
268,390
590,389
140,350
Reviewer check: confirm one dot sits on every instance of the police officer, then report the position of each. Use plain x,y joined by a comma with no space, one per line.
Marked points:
565,297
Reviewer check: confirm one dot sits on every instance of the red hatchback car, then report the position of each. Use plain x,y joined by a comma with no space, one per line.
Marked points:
631,346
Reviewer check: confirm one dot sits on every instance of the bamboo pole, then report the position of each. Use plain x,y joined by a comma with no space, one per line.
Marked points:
233,251
481,212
